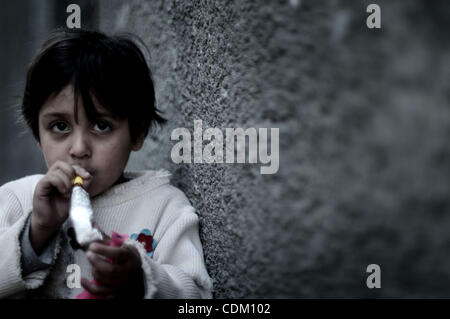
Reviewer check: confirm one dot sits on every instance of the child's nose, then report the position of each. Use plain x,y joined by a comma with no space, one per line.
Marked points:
80,147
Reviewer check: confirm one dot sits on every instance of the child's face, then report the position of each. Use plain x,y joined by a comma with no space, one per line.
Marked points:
102,148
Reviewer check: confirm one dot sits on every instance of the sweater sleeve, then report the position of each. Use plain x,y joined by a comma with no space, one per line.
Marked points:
12,223
177,269
29,260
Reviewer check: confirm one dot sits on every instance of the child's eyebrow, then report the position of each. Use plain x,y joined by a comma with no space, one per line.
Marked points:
55,114
106,115
68,115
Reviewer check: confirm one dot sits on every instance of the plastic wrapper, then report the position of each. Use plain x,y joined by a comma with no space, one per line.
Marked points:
81,215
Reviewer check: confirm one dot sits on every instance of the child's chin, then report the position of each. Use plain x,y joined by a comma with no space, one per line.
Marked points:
93,192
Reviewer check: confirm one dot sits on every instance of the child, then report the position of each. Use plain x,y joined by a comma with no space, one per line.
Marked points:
89,101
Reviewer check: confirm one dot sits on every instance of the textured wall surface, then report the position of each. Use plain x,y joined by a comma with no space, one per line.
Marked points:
364,139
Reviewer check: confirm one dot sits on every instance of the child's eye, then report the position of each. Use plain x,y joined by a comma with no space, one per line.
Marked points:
102,127
59,127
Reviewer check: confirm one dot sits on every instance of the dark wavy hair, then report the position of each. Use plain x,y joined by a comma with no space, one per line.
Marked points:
112,69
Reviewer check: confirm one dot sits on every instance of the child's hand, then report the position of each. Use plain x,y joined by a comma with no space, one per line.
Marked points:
51,201
116,270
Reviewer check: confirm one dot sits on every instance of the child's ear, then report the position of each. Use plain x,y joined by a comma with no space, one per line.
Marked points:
139,143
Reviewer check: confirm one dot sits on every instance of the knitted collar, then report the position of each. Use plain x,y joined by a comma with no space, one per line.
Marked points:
137,184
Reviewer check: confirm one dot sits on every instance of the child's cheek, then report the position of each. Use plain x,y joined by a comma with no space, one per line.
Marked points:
54,152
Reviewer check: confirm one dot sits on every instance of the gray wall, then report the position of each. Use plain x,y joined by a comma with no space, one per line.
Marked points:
364,122
364,126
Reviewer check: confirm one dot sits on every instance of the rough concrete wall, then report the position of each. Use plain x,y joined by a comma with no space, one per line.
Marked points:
364,124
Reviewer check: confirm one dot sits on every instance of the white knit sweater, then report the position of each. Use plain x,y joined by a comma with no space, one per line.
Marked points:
147,201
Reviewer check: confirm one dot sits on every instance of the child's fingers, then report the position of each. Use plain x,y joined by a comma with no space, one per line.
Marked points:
71,171
103,271
94,289
64,170
81,171
65,167
104,279
116,254
99,263
87,177
54,180
62,177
